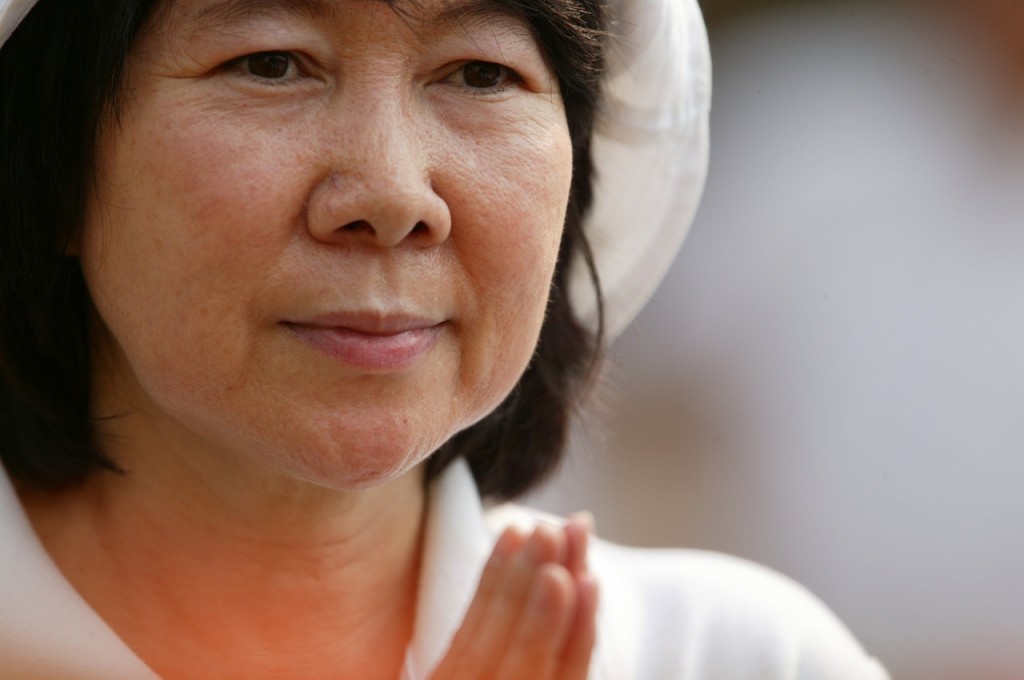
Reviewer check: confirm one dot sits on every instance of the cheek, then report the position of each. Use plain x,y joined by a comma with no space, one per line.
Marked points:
516,208
509,258
180,240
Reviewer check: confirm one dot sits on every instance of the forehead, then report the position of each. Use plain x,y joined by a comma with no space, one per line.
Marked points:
211,14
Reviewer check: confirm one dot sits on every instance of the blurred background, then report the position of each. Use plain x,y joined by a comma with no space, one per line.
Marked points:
831,379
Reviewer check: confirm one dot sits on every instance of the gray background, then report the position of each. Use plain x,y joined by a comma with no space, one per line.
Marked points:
830,381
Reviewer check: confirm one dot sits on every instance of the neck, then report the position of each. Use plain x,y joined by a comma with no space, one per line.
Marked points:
289,577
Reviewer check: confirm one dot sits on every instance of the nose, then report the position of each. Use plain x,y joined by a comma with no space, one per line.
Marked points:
377,187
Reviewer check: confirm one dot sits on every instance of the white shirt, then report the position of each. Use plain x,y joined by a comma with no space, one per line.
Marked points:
664,615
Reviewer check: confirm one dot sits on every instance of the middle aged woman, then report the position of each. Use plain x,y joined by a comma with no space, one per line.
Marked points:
286,290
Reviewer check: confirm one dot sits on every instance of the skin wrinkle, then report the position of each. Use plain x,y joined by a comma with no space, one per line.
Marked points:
232,11
467,14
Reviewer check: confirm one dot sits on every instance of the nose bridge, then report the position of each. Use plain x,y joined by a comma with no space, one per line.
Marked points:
379,182
377,133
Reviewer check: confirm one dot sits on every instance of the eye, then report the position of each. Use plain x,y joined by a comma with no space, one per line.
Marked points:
268,65
484,75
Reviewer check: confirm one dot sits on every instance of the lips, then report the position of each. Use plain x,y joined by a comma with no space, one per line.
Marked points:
370,341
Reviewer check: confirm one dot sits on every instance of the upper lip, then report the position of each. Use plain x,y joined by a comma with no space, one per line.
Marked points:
368,323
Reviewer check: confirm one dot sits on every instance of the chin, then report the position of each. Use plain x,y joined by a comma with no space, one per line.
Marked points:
360,460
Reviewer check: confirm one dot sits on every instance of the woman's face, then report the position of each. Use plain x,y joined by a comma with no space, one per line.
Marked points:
323,233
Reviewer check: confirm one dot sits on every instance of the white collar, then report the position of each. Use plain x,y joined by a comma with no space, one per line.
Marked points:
455,547
48,631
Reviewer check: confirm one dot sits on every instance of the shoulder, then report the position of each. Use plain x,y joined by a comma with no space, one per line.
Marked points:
670,614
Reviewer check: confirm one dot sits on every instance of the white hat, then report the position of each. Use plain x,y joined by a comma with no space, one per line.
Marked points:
650,150
650,153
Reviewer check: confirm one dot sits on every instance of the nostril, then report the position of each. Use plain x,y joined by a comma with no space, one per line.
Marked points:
385,233
358,225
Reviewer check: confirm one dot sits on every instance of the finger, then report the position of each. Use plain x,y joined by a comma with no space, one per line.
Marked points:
577,531
579,645
481,643
585,518
468,648
546,545
541,632
494,576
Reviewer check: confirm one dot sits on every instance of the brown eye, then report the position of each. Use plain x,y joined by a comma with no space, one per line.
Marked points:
270,65
483,75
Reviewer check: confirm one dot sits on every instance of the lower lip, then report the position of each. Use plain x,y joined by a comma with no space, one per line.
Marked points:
367,351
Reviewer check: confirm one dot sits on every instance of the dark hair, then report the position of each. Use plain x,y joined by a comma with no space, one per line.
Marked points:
60,76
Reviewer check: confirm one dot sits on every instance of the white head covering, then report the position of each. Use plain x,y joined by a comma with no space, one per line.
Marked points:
650,150
650,153
11,14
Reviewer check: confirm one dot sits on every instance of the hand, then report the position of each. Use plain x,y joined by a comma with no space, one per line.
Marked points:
534,613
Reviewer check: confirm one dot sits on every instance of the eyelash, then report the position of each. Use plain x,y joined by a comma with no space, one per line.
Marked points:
508,78
294,68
